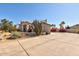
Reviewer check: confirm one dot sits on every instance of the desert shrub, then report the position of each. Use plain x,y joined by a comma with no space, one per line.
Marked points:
15,35
37,27
78,32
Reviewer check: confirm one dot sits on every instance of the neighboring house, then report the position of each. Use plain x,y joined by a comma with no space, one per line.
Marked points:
74,28
24,26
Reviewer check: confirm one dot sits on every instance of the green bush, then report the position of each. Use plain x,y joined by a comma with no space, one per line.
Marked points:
16,35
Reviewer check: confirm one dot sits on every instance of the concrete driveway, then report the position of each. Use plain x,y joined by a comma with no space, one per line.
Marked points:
55,44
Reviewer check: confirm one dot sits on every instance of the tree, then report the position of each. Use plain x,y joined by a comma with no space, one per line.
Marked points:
62,25
12,28
68,27
62,22
37,27
6,25
53,25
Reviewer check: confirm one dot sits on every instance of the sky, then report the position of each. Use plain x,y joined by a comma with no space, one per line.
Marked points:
53,12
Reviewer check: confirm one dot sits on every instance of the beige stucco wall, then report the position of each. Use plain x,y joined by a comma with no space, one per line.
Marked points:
46,28
22,24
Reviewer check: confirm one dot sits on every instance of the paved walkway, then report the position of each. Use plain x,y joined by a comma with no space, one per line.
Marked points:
55,44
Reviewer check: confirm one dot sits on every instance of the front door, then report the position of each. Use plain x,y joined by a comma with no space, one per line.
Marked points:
24,28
